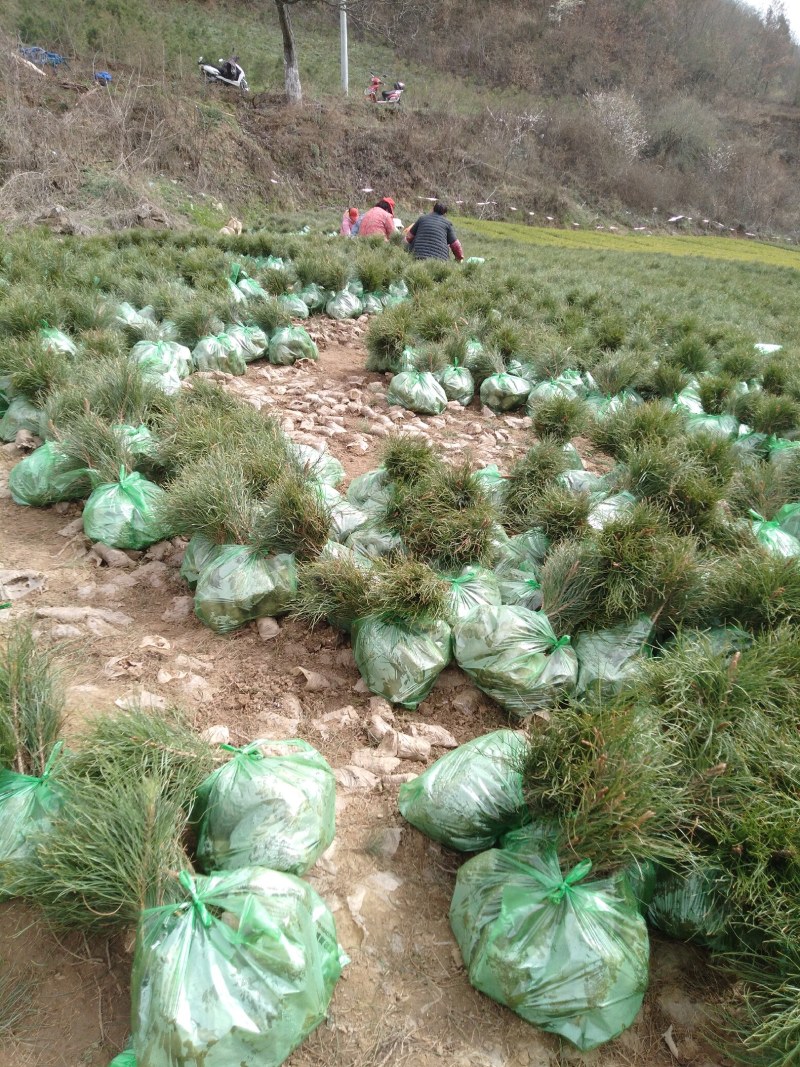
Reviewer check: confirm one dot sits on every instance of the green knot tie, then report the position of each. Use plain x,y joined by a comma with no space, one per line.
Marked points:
187,882
48,767
577,874
562,642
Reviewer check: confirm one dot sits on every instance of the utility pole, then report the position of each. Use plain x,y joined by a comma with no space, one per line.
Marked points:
343,47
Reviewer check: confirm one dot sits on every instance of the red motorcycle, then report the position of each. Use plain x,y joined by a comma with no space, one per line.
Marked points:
389,97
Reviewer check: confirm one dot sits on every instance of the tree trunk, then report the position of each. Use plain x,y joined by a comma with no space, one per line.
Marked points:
291,71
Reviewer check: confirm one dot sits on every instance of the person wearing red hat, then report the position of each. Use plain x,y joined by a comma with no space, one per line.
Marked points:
378,220
349,220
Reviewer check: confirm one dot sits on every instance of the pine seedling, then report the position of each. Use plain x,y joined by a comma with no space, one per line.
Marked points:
691,354
560,513
110,852
34,372
92,442
436,323
559,418
199,318
31,701
274,281
537,469
716,393
375,270
406,460
294,518
663,380
677,484
616,372
211,496
753,589
444,518
388,334
268,315
335,587
632,425
778,415
406,589
607,781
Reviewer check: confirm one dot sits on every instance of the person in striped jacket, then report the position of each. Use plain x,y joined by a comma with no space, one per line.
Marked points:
432,236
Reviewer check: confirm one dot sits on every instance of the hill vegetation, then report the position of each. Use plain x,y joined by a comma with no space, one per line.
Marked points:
581,110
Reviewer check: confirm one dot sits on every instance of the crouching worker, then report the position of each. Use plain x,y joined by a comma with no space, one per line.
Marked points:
349,219
433,237
379,220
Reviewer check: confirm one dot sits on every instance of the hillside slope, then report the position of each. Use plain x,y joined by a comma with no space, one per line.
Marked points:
648,140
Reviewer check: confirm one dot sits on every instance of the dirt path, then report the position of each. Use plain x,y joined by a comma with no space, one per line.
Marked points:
405,998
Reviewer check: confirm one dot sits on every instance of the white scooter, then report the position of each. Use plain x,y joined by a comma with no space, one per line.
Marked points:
226,72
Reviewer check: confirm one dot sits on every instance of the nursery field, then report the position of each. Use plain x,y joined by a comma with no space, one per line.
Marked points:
510,553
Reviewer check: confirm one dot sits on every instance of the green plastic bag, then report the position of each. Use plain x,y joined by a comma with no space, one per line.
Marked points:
504,392
582,481
320,465
314,296
123,514
472,588
520,588
289,344
776,540
158,358
417,391
370,542
473,351
27,806
398,291
781,450
724,427
345,517
457,383
569,956
241,584
606,658
355,287
641,878
372,303
240,972
370,492
127,315
344,305
272,805
788,518
689,399
613,507
200,551
20,415
750,448
6,392
54,340
400,660
492,482
548,390
573,458
525,551
219,353
472,795
293,305
251,341
689,906
513,654
47,476
137,440
125,1059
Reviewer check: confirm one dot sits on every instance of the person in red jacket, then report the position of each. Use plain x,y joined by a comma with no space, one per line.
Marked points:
378,220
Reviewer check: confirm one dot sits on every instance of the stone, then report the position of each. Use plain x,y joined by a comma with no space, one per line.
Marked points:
353,777
180,608
384,843
112,557
268,629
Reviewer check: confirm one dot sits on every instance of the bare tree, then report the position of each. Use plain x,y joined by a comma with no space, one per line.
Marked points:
291,66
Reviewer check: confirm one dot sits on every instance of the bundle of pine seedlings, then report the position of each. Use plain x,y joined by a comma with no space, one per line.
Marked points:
441,513
395,610
119,834
251,511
